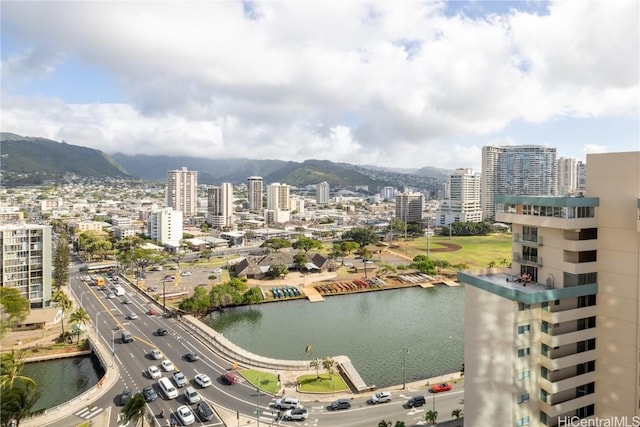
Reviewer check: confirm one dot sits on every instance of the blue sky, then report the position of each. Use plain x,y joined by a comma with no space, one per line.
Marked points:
405,84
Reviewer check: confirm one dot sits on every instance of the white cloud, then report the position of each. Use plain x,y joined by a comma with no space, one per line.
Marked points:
379,82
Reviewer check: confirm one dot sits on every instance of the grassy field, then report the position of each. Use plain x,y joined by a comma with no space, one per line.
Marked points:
476,251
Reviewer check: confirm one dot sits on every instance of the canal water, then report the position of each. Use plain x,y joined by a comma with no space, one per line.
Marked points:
375,329
63,379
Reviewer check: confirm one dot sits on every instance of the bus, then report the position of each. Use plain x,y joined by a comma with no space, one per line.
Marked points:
119,290
99,280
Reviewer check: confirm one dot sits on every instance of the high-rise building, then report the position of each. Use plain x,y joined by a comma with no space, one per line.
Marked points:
278,196
25,261
165,226
582,176
463,204
388,193
567,176
322,193
554,340
182,191
529,170
254,192
220,206
296,204
409,207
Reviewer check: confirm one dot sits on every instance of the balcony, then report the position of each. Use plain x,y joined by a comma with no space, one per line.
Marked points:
554,410
567,338
568,315
527,259
567,383
567,361
528,239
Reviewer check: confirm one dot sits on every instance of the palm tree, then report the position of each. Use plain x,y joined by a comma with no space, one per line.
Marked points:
317,364
384,423
308,349
135,410
18,402
81,317
399,424
64,303
456,413
11,365
431,417
327,364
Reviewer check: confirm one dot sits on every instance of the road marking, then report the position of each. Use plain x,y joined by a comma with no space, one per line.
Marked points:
87,413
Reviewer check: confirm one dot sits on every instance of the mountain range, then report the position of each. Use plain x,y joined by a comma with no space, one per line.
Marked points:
33,160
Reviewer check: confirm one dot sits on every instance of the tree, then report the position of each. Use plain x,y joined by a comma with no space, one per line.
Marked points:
306,244
64,303
456,413
181,252
424,264
135,410
253,296
309,350
276,244
362,235
80,317
18,402
316,363
277,270
14,308
365,254
11,365
431,417
60,274
300,261
349,246
328,365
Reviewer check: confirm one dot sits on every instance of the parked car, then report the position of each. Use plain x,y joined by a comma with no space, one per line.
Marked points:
162,332
179,379
191,357
217,270
185,273
185,415
202,380
437,388
287,403
340,404
155,354
228,378
380,397
154,372
192,395
167,365
149,394
296,414
204,411
415,401
125,396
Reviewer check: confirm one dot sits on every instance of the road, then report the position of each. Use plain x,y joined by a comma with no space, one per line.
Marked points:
110,317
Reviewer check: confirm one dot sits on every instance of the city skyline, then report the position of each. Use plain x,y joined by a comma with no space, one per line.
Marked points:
396,84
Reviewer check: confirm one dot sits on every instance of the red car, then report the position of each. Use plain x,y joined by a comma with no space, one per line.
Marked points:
228,378
437,388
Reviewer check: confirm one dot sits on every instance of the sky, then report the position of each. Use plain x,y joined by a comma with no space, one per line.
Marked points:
401,84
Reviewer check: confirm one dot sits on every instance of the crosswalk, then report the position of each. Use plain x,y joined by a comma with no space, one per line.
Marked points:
88,412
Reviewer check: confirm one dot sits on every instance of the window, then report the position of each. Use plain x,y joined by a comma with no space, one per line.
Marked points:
522,306
522,352
523,398
524,329
523,375
524,421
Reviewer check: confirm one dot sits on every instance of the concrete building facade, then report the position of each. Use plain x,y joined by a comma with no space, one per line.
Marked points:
254,193
182,191
567,176
323,193
409,207
165,226
463,204
220,206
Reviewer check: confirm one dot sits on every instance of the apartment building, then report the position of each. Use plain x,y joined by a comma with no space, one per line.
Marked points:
322,193
409,207
182,191
165,226
254,192
463,204
529,170
220,206
555,338
25,261
567,176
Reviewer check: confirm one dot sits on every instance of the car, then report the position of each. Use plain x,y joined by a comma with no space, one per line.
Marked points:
133,316
185,415
154,289
217,270
192,395
202,380
155,354
228,378
179,379
287,403
191,357
380,397
162,332
204,411
127,301
185,273
437,388
125,396
296,414
111,295
169,277
154,372
149,394
167,365
340,404
173,267
415,401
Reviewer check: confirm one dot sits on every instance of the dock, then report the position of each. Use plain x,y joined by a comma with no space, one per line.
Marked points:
312,294
450,283
350,372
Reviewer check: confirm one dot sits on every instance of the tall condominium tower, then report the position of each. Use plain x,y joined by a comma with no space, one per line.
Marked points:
25,261
409,207
581,175
182,194
567,176
165,226
529,170
322,193
554,339
278,196
463,204
220,206
254,192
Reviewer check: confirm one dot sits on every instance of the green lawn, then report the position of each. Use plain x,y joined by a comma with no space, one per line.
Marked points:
324,384
265,381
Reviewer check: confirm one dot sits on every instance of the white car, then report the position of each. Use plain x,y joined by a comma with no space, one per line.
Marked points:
111,295
155,354
154,372
297,414
202,380
381,397
185,273
217,270
167,365
186,415
192,395
133,316
287,403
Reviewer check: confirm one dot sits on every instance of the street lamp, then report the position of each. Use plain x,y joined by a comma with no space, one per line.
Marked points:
97,314
81,295
164,297
258,402
113,347
404,376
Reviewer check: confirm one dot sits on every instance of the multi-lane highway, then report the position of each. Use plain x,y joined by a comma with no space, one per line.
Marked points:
111,316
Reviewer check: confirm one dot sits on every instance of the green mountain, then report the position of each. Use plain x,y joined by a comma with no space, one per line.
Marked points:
30,160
